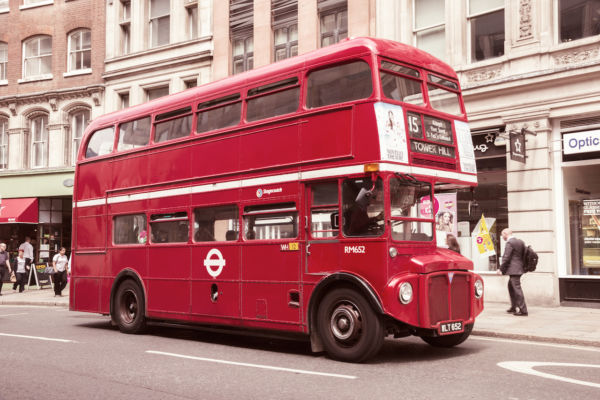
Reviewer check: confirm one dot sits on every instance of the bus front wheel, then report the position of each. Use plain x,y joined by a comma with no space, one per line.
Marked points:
348,326
449,340
128,311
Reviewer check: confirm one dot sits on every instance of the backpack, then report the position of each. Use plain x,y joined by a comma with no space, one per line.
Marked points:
530,259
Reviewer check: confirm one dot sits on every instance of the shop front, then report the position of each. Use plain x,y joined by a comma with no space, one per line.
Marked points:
579,271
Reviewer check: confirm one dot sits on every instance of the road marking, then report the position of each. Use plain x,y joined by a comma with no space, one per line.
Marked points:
10,315
529,342
296,371
38,338
526,367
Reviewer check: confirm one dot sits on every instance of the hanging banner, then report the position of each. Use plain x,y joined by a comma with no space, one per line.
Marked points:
517,147
591,233
484,240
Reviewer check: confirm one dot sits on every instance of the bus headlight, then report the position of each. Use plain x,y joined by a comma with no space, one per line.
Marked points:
478,288
405,294
393,252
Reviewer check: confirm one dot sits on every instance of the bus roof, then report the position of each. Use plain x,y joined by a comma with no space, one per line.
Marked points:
345,49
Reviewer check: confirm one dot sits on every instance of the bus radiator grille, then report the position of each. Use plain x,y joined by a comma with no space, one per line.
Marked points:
449,300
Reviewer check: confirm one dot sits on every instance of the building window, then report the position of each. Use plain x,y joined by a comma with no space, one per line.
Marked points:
37,57
155,93
39,141
3,60
29,2
79,121
334,21
123,100
486,22
192,21
80,50
285,28
125,24
192,83
429,27
243,53
4,5
579,19
3,144
160,22
241,14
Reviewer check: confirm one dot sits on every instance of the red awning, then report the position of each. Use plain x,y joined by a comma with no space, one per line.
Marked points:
24,210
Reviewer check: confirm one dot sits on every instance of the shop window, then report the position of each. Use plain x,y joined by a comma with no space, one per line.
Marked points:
339,84
134,134
271,221
37,57
486,22
130,229
216,224
429,27
101,142
79,121
160,22
80,50
54,228
578,19
169,228
324,214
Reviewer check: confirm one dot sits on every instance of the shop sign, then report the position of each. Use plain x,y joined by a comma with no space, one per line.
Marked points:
517,146
581,142
591,233
485,145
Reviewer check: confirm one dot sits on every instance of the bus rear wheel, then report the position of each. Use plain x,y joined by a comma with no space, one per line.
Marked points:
128,311
449,340
348,326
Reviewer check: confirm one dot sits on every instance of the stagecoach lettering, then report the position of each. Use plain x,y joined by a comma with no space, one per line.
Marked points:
355,250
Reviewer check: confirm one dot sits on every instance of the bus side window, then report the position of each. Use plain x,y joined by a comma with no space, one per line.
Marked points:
219,224
275,102
271,221
219,113
339,84
134,134
169,228
324,210
101,142
173,128
129,229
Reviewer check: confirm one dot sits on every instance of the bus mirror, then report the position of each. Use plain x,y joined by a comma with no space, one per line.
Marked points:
335,220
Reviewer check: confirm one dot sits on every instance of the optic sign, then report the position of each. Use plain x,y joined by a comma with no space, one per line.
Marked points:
581,142
218,262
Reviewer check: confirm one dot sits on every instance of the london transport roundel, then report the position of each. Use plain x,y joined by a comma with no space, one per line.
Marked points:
210,262
259,193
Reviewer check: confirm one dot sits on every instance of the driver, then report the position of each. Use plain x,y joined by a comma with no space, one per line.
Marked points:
359,218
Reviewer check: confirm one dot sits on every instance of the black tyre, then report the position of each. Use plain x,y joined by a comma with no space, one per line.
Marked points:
348,326
449,340
128,311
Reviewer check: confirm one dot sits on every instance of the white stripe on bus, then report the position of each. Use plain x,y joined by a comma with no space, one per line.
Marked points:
274,179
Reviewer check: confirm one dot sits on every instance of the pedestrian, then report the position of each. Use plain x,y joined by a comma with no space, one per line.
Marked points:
512,265
452,243
28,250
5,267
59,264
20,265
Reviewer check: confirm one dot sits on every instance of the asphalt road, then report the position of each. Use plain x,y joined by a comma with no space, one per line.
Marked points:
52,353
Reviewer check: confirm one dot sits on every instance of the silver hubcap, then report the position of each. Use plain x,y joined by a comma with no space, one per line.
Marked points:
345,322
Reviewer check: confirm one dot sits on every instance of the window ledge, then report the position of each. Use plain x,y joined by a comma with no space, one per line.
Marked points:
3,82
4,11
78,72
34,5
46,77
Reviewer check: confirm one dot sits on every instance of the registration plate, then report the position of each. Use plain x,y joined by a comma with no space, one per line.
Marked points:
447,328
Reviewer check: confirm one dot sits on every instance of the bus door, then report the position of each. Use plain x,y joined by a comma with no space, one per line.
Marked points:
169,263
271,262
322,241
216,262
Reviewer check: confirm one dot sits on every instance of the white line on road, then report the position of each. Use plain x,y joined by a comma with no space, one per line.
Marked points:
531,343
296,371
10,315
38,338
526,367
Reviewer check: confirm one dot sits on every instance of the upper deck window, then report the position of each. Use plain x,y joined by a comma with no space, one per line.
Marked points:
175,127
101,142
443,99
400,85
134,134
339,84
219,113
281,98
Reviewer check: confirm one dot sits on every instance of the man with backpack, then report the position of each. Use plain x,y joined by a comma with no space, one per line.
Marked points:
512,264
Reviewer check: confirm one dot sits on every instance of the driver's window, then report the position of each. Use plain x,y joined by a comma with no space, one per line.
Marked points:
410,204
362,207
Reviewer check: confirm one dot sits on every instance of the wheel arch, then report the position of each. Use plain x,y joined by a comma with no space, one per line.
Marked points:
341,279
122,276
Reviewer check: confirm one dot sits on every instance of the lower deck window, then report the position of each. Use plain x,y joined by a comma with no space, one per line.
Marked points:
272,221
129,229
220,224
169,228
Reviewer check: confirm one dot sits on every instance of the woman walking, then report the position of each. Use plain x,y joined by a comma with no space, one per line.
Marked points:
59,263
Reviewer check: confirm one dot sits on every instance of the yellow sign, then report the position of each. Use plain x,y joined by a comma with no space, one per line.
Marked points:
484,240
294,246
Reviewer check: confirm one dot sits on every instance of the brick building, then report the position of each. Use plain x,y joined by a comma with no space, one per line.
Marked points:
51,85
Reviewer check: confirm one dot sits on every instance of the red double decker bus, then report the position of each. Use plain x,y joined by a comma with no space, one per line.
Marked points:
291,198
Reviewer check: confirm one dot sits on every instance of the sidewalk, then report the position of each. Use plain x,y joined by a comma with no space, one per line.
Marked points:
569,325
